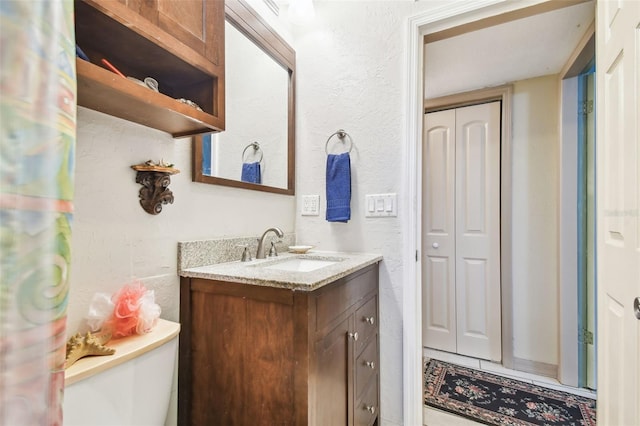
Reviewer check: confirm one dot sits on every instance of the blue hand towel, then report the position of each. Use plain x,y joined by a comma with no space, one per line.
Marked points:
251,172
338,187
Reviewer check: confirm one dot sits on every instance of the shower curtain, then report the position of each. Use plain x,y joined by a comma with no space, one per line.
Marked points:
37,141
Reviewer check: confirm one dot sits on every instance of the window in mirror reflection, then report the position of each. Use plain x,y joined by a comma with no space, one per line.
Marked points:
257,90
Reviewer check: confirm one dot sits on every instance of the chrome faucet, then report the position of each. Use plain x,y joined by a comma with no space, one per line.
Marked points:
260,252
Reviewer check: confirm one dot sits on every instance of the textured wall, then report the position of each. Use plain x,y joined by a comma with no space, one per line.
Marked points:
114,240
351,75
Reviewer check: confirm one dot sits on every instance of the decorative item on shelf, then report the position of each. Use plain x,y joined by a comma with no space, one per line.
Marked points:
155,180
111,67
151,83
79,346
80,54
190,103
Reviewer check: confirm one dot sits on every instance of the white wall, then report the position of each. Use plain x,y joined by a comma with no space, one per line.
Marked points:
114,240
351,75
535,142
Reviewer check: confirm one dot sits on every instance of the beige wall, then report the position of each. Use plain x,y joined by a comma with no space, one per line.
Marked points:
535,221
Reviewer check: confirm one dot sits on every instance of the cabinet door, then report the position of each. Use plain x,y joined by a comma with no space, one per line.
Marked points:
242,364
268,364
198,24
334,382
217,341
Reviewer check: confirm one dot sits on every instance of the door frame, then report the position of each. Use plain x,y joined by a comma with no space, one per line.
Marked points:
475,97
568,266
465,13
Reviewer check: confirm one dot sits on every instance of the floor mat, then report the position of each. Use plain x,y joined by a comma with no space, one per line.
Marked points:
496,400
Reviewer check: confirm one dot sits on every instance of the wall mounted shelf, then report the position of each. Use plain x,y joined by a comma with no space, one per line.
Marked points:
139,48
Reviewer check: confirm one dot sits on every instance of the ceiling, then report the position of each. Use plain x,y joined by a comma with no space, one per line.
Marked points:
517,50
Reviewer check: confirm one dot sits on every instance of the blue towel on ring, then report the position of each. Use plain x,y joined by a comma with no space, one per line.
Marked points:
338,187
251,172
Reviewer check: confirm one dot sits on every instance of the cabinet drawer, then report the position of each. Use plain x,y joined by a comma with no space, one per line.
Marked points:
335,299
366,408
367,365
366,322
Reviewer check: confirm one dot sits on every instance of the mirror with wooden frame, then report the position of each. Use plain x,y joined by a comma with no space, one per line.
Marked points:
257,149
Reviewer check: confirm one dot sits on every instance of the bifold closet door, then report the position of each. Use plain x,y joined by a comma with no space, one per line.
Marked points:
478,318
461,231
438,225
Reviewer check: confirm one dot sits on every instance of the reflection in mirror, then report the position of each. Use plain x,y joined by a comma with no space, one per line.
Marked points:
256,150
257,90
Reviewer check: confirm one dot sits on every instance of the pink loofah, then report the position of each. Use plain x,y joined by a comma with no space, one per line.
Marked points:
130,302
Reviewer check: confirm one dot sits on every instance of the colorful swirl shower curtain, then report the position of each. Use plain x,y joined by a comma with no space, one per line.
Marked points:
37,141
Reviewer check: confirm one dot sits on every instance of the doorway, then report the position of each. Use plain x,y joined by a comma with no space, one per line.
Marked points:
478,15
461,237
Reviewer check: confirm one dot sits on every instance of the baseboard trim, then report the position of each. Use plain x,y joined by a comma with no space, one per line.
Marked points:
535,367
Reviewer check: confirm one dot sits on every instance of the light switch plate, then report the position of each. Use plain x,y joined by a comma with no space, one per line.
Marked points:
310,205
381,205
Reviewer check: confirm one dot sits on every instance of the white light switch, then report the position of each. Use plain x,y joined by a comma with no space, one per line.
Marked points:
388,204
381,205
310,205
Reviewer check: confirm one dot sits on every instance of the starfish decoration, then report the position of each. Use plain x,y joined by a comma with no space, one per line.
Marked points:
80,346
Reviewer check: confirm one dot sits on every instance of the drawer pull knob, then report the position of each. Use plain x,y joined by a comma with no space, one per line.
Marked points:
370,364
370,320
353,336
370,408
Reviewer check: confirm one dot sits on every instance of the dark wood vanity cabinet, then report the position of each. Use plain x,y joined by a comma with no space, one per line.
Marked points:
253,355
178,43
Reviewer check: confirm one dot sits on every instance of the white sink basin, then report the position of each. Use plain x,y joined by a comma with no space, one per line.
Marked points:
299,264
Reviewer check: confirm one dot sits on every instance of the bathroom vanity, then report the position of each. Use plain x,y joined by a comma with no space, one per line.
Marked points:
288,341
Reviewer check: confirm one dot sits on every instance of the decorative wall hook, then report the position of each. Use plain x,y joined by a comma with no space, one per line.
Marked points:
155,180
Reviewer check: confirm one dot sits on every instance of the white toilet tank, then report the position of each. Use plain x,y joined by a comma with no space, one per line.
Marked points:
130,387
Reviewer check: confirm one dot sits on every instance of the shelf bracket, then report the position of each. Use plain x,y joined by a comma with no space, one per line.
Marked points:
155,182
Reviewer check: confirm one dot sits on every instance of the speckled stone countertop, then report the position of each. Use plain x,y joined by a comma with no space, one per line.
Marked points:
257,272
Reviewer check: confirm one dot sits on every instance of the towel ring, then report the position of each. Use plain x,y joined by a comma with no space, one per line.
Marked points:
341,134
256,147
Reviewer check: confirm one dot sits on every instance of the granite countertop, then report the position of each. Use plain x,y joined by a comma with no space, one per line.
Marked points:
257,272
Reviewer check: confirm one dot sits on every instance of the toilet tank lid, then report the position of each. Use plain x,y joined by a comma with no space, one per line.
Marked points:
126,348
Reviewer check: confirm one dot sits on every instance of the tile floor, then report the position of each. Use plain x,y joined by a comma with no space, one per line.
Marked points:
434,417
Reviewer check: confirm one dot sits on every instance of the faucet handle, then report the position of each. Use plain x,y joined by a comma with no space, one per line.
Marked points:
272,251
246,255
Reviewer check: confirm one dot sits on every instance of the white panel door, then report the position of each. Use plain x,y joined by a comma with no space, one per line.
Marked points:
618,192
461,228
478,231
438,224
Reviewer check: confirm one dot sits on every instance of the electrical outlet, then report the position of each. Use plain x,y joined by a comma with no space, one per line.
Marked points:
310,205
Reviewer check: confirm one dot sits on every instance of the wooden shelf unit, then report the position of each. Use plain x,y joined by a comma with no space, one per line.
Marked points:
139,49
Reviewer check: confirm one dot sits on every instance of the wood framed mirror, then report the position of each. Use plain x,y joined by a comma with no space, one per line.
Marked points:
260,107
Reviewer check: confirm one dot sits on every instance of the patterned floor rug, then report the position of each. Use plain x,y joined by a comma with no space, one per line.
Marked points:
496,400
